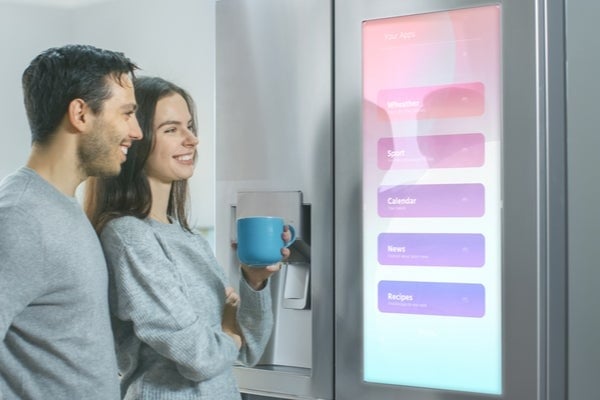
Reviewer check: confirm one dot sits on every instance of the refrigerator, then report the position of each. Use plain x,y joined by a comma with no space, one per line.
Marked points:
274,146
419,148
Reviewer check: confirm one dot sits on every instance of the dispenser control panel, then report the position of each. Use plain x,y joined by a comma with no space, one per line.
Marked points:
432,200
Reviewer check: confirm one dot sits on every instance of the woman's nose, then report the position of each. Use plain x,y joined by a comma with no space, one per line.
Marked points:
191,140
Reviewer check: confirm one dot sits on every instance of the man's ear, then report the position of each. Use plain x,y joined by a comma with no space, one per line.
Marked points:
78,114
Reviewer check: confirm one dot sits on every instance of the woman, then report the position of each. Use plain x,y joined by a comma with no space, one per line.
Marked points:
178,328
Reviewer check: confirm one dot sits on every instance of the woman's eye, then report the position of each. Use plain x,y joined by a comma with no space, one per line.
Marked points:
171,130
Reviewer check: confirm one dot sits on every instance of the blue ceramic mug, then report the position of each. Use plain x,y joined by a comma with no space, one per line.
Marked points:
259,240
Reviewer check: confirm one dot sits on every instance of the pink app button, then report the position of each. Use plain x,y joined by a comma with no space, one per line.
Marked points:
428,102
437,151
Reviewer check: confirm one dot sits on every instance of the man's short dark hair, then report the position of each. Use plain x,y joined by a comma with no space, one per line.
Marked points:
59,75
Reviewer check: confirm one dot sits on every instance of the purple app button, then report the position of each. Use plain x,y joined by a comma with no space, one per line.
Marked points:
432,298
432,249
439,200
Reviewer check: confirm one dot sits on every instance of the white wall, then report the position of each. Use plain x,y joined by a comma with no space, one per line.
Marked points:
172,39
25,30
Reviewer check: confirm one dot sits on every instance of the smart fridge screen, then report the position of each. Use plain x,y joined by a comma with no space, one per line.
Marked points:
432,200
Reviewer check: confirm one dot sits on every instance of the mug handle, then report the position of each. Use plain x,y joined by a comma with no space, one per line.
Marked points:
293,239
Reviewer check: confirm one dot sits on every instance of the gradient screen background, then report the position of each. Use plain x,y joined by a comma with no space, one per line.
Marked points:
432,200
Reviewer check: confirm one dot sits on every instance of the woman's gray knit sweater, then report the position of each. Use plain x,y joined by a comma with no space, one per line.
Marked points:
167,294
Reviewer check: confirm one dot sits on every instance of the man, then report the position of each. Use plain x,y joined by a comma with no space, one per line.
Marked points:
56,339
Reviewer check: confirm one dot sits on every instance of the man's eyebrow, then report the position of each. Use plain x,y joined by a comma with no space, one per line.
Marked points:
130,106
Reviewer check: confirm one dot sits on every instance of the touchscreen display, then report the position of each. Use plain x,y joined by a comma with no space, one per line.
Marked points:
432,200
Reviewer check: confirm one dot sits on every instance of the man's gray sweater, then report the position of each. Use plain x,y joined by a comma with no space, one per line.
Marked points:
55,334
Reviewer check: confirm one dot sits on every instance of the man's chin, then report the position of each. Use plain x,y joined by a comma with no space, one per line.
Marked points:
105,172
116,171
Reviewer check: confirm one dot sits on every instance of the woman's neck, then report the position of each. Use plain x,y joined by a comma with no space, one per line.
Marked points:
160,200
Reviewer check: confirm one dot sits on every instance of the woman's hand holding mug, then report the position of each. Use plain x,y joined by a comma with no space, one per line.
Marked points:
263,243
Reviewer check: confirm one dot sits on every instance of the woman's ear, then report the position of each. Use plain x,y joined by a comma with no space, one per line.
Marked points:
78,114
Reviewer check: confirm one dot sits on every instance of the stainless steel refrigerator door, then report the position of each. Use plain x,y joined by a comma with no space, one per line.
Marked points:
274,134
532,201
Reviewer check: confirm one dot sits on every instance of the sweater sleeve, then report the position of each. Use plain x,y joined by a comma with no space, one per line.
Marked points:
146,291
255,318
22,276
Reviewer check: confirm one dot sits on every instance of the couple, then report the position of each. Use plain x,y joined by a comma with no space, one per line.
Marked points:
177,327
